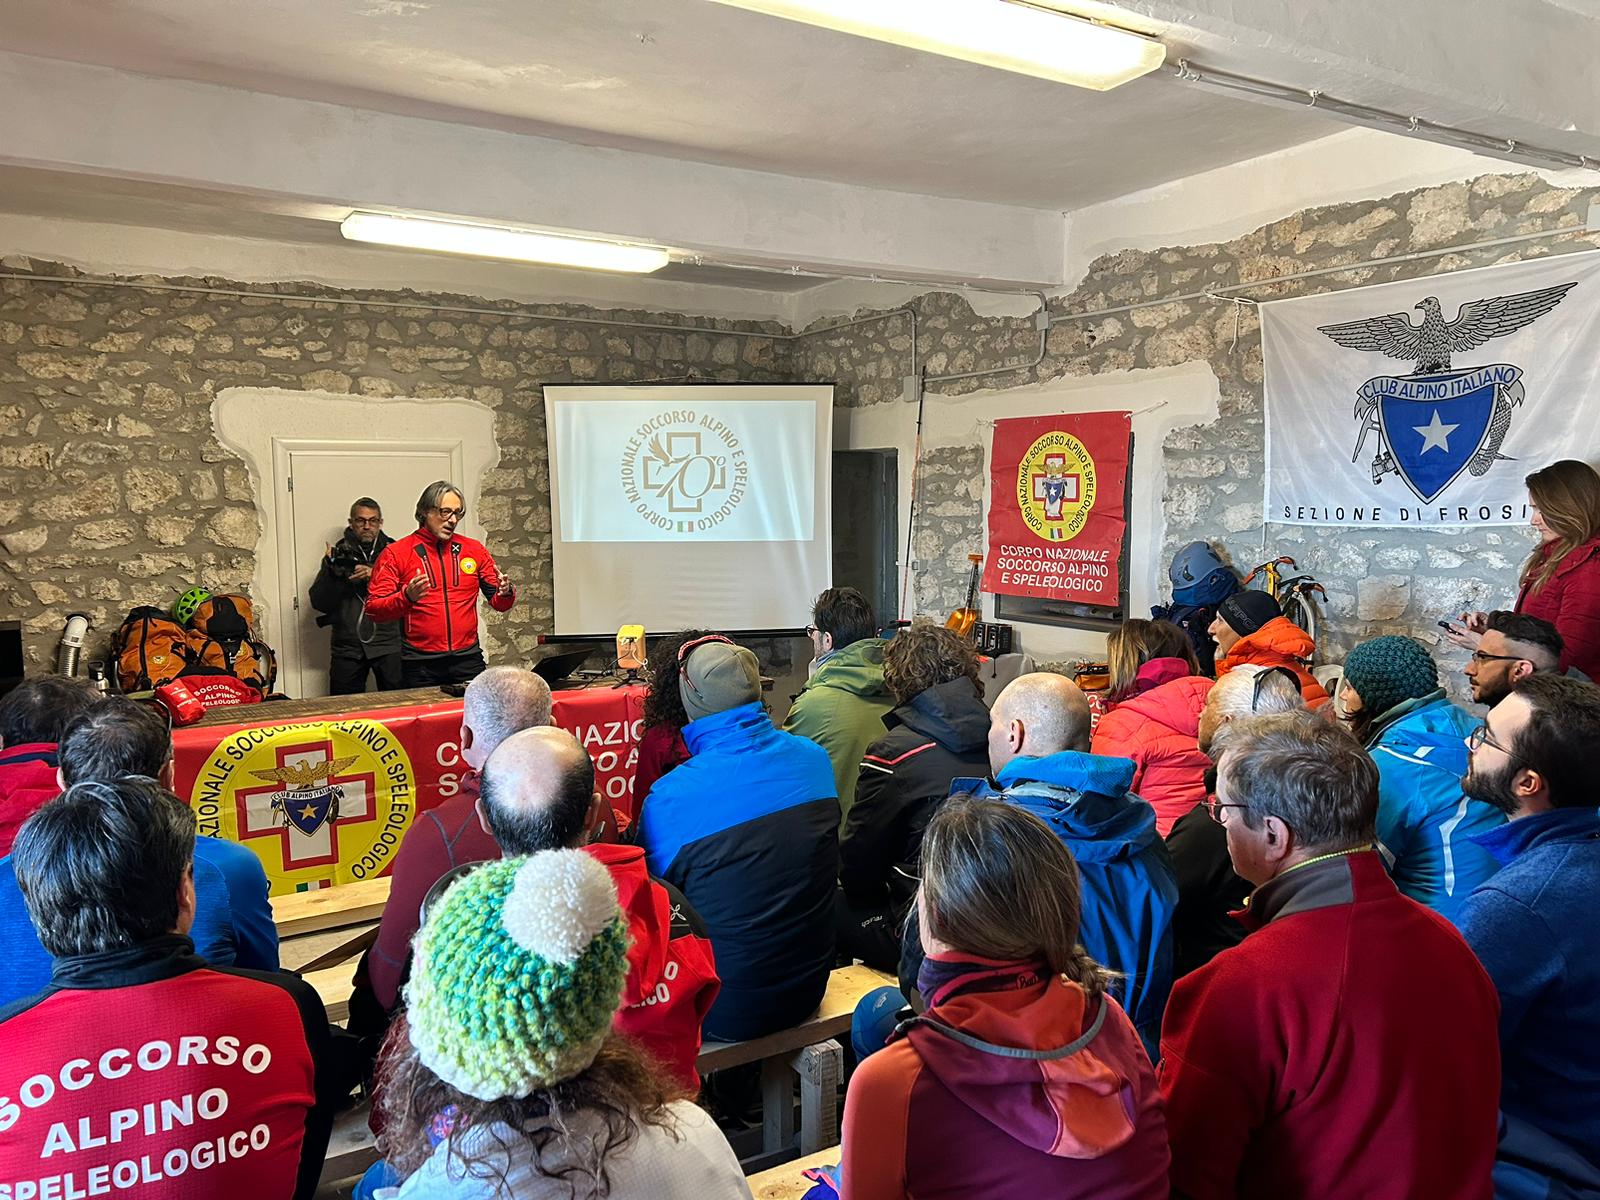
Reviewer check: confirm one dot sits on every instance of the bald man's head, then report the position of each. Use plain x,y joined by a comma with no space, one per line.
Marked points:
499,702
1038,714
537,792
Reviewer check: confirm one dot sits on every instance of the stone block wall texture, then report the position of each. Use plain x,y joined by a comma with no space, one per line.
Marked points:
114,493
1382,581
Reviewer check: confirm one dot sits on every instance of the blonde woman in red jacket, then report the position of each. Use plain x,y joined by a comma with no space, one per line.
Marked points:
1157,693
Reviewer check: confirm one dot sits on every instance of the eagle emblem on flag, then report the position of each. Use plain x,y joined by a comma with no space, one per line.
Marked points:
303,803
1441,419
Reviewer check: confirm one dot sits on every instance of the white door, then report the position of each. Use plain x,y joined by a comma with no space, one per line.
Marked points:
317,482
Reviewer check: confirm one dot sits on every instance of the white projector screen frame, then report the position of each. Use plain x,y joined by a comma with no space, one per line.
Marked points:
633,564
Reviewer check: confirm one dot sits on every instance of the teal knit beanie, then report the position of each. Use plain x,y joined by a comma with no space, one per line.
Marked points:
517,974
1388,671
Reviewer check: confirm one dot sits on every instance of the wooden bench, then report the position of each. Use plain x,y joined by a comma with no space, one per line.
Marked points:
334,984
324,928
351,1149
786,1182
807,1050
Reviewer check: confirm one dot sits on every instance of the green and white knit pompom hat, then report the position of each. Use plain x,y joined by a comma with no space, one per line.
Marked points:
517,974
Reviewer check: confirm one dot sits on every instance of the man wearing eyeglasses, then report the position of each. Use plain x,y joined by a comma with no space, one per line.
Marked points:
1511,647
360,644
1346,1047
1533,927
430,581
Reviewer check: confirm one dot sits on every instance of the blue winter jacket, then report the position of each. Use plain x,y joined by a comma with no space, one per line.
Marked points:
1426,825
232,919
1533,927
1129,890
748,830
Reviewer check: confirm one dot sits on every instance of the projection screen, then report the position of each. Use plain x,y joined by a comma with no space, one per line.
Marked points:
689,505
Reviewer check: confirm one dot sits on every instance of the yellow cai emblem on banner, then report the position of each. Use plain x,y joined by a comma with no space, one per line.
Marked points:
1056,486
319,802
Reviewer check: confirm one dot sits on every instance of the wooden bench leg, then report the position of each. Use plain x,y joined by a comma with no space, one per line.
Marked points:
777,1105
820,1068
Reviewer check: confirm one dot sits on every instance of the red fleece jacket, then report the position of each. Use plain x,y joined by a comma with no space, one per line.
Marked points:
27,783
1570,601
1348,1047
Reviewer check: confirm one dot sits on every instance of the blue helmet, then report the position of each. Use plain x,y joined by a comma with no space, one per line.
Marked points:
1200,577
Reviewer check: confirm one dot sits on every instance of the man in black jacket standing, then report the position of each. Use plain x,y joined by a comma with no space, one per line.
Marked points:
360,644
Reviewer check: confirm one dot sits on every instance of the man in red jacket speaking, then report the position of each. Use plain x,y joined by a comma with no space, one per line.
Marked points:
431,580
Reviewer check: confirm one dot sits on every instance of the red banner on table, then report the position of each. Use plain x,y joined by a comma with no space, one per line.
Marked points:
1057,514
326,800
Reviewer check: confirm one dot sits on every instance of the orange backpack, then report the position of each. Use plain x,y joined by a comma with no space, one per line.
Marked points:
150,649
222,635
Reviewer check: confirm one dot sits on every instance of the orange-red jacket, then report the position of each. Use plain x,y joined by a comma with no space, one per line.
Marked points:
1278,643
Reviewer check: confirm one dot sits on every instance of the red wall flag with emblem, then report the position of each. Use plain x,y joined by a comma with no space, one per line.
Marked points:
1057,510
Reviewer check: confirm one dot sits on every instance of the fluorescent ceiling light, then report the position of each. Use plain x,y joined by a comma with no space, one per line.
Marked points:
1016,37
499,241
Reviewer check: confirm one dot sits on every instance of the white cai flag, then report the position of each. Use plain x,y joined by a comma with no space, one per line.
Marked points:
1426,402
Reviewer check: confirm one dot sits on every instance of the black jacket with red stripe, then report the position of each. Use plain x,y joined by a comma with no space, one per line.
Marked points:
445,617
147,1072
939,735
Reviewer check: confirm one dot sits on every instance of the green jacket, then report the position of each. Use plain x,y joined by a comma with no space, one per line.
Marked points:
841,709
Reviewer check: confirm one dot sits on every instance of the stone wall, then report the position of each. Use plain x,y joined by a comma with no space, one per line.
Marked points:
113,491
1378,581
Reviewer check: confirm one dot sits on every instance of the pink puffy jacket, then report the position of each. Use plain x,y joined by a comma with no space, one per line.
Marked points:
1158,730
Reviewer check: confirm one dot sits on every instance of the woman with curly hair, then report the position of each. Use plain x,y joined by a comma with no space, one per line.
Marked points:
661,745
505,1078
938,731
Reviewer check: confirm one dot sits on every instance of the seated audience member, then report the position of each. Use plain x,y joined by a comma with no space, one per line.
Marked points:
1023,1077
538,794
748,830
1142,655
1039,755
233,918
1511,647
1390,696
1210,892
1251,628
32,716
134,1023
938,731
1345,1048
1157,693
497,704
842,706
495,1090
1533,928
661,745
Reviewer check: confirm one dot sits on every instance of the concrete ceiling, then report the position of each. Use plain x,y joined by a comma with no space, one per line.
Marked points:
683,79
757,149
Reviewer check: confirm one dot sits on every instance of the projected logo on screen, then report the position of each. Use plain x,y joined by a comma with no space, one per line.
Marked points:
683,472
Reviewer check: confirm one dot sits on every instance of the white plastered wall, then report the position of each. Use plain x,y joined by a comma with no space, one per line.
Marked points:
246,420
1160,400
